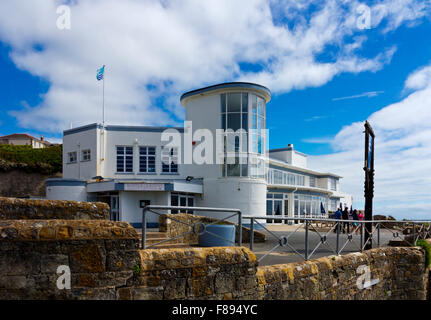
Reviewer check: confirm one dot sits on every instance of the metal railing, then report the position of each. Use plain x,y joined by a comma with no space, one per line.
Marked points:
419,229
198,228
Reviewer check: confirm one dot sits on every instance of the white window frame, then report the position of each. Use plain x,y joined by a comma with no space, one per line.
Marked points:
124,160
147,157
85,153
75,155
173,156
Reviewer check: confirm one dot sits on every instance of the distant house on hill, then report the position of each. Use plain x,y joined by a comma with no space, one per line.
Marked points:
22,139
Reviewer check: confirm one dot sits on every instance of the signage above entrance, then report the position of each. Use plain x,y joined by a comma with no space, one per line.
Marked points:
144,187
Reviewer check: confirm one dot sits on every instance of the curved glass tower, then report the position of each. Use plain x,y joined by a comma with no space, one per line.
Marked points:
235,114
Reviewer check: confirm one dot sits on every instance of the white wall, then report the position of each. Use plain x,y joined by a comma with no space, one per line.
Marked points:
77,142
247,195
75,193
135,139
204,112
129,205
298,159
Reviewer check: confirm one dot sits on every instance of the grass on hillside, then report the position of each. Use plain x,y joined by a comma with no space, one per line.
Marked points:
49,160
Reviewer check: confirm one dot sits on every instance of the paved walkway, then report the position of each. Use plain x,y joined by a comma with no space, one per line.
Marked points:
297,241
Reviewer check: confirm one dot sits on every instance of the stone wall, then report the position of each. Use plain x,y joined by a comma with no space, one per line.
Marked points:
194,273
101,256
105,262
400,272
14,208
174,228
19,183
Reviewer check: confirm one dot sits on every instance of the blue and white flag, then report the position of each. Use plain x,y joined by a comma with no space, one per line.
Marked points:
100,73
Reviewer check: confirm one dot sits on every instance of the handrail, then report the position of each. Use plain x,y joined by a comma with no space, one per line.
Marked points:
423,227
197,228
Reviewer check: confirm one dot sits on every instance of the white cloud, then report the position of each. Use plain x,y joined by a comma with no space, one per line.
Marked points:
175,46
368,94
402,153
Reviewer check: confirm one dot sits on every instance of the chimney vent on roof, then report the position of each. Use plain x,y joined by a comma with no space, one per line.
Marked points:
41,138
290,145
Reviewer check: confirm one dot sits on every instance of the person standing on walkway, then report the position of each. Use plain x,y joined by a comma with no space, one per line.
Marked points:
355,217
346,217
337,215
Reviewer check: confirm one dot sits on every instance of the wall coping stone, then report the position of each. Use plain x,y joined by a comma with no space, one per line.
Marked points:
15,208
65,230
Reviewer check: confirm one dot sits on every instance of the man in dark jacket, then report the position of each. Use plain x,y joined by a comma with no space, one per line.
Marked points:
337,215
346,217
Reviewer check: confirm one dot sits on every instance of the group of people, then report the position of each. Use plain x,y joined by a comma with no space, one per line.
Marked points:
357,215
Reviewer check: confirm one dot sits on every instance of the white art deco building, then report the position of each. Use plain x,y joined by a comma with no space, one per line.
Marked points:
131,166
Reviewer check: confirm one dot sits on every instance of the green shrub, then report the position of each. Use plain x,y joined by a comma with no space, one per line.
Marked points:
137,269
427,247
47,160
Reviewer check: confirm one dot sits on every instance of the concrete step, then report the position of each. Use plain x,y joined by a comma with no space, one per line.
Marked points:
168,246
155,235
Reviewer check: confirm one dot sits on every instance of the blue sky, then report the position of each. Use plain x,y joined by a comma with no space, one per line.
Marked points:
326,74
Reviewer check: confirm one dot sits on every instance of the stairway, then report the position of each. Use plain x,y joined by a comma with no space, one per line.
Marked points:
153,237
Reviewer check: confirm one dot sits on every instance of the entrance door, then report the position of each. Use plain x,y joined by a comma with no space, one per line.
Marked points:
182,200
115,208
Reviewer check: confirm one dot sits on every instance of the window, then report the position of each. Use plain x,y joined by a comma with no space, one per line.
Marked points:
279,177
182,200
71,157
300,180
309,205
312,181
333,204
124,159
86,155
147,159
257,124
333,183
169,160
234,120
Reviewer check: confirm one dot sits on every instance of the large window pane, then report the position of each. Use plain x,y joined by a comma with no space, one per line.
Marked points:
234,102
260,107
245,102
234,121
223,102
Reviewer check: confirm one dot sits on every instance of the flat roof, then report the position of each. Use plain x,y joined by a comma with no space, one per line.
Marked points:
120,128
229,85
286,165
